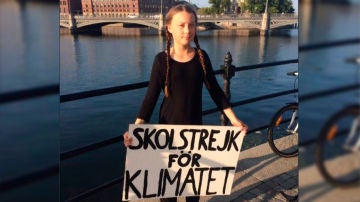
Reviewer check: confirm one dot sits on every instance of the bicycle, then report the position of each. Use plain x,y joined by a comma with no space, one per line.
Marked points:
282,133
337,151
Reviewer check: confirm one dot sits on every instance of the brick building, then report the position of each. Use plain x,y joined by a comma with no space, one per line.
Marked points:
120,8
70,5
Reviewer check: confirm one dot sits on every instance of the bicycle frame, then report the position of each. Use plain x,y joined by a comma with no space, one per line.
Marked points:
352,135
288,129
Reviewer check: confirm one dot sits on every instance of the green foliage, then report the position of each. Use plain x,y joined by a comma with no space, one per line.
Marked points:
206,11
274,6
220,6
215,5
225,5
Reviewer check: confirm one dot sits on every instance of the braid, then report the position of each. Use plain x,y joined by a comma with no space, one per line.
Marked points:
167,81
202,60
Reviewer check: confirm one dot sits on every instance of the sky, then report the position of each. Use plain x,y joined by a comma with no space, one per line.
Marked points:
205,3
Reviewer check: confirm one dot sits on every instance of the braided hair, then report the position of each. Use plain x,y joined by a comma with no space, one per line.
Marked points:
178,8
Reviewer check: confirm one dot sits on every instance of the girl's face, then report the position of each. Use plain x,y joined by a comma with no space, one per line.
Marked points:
183,28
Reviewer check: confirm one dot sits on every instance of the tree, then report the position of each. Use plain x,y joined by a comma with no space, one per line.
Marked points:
220,6
206,11
274,6
225,5
215,5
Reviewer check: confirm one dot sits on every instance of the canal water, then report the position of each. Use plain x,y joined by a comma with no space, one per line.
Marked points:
29,128
91,62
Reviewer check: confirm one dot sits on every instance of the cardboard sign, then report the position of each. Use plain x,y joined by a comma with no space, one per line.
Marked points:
180,160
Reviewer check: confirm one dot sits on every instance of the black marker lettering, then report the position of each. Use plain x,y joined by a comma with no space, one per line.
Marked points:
195,158
147,139
193,137
128,184
226,142
176,179
183,137
209,180
136,132
160,182
212,139
203,135
227,169
158,136
189,179
232,141
145,195
184,159
171,140
171,159
201,177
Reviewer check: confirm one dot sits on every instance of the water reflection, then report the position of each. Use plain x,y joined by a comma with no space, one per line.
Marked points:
29,47
263,46
128,65
29,131
320,22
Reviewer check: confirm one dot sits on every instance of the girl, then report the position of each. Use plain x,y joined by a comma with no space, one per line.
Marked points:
180,72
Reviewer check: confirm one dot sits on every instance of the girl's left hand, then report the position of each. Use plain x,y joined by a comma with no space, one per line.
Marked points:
238,123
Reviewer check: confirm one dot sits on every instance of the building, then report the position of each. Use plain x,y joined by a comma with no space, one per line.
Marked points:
70,6
121,8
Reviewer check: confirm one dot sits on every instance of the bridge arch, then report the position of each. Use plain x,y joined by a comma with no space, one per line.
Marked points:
86,23
282,24
63,24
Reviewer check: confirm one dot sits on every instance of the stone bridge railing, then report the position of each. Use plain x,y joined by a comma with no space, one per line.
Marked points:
216,16
152,20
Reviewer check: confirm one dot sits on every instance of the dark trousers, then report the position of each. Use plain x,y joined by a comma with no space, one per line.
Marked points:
188,199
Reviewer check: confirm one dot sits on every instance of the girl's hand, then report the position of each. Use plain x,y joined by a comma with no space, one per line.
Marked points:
127,139
238,123
234,120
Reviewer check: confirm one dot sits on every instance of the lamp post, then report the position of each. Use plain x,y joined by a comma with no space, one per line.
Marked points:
266,6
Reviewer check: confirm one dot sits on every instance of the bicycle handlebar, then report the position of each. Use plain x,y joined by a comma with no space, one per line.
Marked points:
294,73
353,60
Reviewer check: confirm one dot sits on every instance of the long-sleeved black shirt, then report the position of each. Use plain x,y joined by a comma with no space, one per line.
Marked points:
184,105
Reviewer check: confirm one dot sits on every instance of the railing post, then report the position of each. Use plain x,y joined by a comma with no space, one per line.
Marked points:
229,72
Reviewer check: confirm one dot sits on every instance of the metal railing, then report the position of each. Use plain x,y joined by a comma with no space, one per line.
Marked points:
227,67
134,86
35,92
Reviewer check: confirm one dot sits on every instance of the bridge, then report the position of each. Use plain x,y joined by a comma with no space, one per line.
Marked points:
247,21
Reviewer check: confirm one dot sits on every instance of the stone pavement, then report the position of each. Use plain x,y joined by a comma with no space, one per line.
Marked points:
313,187
264,176
261,176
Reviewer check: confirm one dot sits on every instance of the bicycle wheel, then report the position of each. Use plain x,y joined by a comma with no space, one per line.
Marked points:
336,154
282,133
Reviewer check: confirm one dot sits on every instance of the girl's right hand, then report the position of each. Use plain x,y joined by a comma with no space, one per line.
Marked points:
127,139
